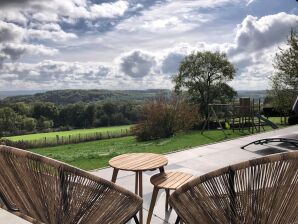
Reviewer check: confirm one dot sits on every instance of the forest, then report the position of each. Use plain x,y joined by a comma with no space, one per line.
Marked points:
71,109
20,118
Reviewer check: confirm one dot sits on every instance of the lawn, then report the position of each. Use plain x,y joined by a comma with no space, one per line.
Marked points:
276,120
96,154
114,129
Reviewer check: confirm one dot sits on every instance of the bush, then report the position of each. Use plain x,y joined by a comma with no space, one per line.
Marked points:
292,120
162,117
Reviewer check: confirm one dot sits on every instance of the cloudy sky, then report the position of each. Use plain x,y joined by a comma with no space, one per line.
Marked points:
136,44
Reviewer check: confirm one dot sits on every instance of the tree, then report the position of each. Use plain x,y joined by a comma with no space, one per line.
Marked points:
48,110
90,115
204,75
285,79
7,119
29,124
109,109
44,124
21,108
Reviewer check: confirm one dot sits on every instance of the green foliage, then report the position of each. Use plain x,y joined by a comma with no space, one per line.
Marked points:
21,108
48,110
204,75
162,117
285,79
16,118
74,96
29,124
7,119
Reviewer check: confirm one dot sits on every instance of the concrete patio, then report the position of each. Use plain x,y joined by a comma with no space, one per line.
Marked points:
197,161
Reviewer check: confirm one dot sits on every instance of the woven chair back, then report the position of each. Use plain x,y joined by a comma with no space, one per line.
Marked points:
42,190
263,190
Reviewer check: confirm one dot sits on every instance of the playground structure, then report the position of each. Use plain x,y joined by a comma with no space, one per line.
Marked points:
244,115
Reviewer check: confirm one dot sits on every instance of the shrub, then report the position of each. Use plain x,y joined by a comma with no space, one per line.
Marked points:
162,117
292,120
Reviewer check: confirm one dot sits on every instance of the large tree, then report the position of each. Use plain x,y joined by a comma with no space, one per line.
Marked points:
285,78
204,75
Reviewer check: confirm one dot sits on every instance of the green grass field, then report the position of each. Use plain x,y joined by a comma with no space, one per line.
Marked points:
67,133
276,120
96,154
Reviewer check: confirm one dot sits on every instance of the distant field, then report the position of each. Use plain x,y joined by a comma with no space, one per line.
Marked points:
96,154
276,120
67,133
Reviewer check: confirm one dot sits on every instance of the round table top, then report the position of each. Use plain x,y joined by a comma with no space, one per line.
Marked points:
138,161
170,180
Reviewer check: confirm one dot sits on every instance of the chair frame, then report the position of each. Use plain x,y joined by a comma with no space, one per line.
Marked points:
98,190
291,141
202,188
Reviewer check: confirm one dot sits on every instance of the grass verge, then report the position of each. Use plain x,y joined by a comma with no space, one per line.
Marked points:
75,132
96,154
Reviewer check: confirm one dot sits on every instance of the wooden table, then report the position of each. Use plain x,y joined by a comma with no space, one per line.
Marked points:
168,181
138,162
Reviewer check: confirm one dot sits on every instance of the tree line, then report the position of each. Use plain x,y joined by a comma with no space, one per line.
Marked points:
20,117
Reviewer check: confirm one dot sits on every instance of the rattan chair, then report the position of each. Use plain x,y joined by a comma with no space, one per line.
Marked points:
42,190
260,191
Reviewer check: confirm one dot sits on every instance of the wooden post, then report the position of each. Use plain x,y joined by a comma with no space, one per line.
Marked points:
152,204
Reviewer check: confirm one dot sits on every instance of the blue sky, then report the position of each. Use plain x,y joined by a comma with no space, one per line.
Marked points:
136,44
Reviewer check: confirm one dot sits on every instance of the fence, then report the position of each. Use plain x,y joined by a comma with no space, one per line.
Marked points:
64,140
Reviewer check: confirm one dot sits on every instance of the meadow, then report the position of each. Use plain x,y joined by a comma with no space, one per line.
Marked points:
75,132
96,154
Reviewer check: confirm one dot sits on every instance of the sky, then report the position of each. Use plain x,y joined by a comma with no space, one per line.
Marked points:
136,44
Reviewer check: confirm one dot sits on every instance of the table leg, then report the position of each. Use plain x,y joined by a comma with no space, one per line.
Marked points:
136,183
141,194
152,204
161,169
167,199
115,173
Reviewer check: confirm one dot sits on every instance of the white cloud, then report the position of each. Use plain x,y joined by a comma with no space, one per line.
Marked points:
47,26
255,34
173,16
13,51
60,35
12,15
108,10
67,10
136,64
10,32
54,74
254,47
12,45
147,45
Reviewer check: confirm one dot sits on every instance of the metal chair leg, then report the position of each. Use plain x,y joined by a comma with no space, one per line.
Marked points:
136,219
178,220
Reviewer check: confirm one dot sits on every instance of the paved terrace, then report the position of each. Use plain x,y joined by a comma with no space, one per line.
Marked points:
198,161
